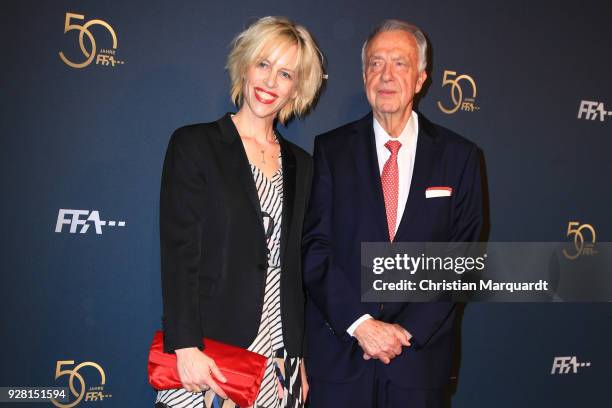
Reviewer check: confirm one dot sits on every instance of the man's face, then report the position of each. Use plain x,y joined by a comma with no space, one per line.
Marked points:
391,75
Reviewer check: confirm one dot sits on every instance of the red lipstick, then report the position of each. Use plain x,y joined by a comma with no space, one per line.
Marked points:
265,101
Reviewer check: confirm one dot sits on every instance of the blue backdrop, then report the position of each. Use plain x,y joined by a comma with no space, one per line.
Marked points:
528,81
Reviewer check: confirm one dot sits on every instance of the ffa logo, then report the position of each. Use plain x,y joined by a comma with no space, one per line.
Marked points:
465,102
87,43
79,389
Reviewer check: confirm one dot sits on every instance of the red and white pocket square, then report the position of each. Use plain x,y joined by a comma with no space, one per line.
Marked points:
433,192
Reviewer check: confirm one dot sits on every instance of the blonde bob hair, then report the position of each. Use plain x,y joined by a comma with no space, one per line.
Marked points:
262,38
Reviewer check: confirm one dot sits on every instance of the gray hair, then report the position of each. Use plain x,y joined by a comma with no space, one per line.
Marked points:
399,25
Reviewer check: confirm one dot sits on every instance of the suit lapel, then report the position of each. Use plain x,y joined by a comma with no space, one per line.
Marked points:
241,168
363,146
289,184
242,171
427,153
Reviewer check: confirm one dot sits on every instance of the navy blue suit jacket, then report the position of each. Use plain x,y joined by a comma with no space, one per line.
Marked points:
347,208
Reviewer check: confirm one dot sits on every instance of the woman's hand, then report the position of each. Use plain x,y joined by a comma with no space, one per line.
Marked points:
196,371
304,381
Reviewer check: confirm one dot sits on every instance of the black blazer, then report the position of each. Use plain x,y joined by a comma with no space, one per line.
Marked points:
213,248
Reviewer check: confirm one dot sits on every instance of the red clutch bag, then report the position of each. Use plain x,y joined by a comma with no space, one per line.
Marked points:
243,369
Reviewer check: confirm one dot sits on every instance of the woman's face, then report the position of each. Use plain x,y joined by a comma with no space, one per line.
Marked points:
271,82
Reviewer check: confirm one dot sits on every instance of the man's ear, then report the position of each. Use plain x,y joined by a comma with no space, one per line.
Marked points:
420,81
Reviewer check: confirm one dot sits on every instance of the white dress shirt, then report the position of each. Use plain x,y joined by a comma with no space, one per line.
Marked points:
405,163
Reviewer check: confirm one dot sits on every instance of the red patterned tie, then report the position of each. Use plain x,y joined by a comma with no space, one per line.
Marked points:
390,186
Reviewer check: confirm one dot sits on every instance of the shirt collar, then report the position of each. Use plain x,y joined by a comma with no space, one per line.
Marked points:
406,138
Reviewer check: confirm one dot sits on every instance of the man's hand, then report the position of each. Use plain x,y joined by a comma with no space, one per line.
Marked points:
196,371
380,340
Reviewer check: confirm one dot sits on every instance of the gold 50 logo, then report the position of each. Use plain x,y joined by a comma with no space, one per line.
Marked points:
581,246
103,56
456,92
80,390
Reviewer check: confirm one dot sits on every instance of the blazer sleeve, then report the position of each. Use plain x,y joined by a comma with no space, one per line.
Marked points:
182,200
468,215
325,281
423,320
307,192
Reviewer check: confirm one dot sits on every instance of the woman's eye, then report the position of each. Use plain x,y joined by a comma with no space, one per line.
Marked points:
285,75
262,64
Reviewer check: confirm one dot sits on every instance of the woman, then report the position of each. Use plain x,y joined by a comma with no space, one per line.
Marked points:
232,204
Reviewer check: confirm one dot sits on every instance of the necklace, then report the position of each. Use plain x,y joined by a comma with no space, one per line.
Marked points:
263,151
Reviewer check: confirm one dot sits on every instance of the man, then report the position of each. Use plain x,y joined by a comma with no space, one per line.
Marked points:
370,182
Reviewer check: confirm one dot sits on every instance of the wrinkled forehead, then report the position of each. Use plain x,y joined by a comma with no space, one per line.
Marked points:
393,42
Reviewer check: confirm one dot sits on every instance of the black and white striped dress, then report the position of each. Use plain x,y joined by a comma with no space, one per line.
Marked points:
281,386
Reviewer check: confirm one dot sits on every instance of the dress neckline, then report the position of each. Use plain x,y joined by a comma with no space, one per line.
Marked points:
270,179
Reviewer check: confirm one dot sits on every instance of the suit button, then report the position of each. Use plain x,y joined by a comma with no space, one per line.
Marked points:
382,307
